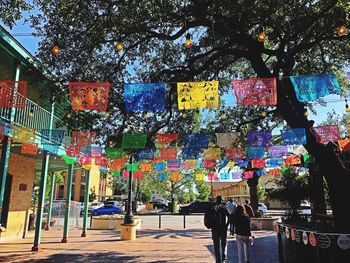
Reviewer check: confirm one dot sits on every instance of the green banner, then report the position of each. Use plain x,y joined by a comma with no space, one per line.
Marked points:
115,173
134,141
69,160
114,153
132,167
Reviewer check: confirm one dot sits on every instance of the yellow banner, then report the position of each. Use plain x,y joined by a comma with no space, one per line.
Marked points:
212,154
200,177
194,95
23,135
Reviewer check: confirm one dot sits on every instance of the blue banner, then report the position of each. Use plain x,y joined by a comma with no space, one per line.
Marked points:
187,175
146,154
259,138
255,152
162,176
224,176
312,87
260,172
294,136
190,153
54,137
160,166
196,140
274,162
242,163
144,96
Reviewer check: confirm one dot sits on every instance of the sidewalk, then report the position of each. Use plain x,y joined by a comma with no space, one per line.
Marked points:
151,245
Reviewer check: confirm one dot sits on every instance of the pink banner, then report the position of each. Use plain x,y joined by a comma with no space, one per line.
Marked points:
209,164
248,174
327,133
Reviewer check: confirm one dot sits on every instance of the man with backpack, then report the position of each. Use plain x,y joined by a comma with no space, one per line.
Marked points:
216,218
231,208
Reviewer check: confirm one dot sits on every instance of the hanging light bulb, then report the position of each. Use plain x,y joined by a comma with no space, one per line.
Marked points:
145,115
347,109
184,115
119,46
223,115
69,115
305,112
261,36
56,49
188,41
31,112
107,114
110,142
263,114
342,30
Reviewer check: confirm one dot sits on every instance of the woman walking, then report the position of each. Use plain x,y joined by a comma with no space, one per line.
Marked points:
241,223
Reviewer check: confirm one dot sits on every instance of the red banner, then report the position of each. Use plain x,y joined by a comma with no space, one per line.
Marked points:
138,175
13,94
209,164
292,160
72,151
29,148
344,144
327,133
89,95
212,176
235,154
125,174
166,138
117,164
84,160
255,91
101,160
83,138
168,153
258,163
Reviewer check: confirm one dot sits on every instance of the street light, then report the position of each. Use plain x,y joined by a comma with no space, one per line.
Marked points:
129,217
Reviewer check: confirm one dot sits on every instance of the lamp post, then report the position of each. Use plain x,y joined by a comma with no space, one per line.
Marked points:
129,217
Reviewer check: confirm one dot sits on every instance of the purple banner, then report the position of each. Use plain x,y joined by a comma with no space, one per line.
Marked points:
236,175
278,150
259,138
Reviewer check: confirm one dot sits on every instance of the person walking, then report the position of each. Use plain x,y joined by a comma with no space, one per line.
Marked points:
241,222
219,229
231,208
249,209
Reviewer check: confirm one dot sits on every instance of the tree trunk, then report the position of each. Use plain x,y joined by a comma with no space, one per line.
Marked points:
253,192
317,198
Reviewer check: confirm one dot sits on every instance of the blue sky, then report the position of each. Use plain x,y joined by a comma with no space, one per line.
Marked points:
21,30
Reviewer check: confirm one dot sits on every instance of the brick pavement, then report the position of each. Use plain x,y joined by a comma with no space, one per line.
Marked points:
151,245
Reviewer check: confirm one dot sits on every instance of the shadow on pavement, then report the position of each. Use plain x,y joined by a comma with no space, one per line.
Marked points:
159,233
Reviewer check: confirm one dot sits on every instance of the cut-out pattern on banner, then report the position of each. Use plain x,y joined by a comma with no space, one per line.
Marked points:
83,160
101,160
138,175
13,94
175,177
248,174
115,173
275,172
274,162
146,154
132,167
209,164
312,87
160,166
292,160
213,176
259,138
258,163
307,159
188,175
162,176
226,140
236,175
260,172
52,136
125,174
194,95
189,164
83,138
235,154
29,148
344,144
145,167
173,165
243,163
166,138
255,91
294,136
117,164
168,153
72,151
255,152
69,160
94,151
114,153
327,133
23,135
278,150
190,153
89,95
196,140
200,177
144,96
134,141
212,154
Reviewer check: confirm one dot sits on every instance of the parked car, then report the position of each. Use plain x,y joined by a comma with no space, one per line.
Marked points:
106,210
94,206
262,208
160,203
305,208
114,203
196,207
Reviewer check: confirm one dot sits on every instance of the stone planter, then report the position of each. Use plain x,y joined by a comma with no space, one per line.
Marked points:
264,223
111,222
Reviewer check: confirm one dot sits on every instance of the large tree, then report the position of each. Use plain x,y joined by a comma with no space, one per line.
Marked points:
301,39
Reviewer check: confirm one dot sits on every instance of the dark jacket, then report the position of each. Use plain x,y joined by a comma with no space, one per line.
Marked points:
221,218
242,225
249,210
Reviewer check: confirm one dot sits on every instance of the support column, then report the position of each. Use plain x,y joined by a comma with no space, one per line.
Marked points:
41,200
5,155
68,201
129,217
86,201
52,190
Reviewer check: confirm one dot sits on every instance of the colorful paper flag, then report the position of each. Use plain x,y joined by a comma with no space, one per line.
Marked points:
274,162
134,141
138,175
196,140
13,94
327,133
144,96
145,167
166,138
29,148
175,177
213,176
200,177
132,167
344,144
248,174
89,95
307,158
168,153
173,165
69,160
115,173
255,152
294,136
102,161
160,166
125,174
72,151
259,138
94,151
235,154
114,153
258,163
189,164
224,176
162,176
145,154
226,140
209,164
194,95
190,153
83,160
83,138
235,175
292,160
255,91
275,172
23,135
212,154
312,87
278,150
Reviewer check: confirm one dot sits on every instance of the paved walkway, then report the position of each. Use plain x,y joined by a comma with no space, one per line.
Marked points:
151,245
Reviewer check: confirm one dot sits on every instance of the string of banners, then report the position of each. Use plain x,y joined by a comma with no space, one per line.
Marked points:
193,95
313,238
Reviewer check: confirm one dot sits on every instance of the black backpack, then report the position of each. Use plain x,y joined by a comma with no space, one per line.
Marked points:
210,218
